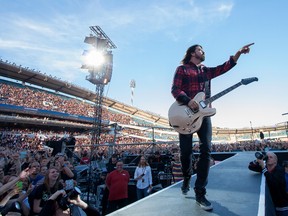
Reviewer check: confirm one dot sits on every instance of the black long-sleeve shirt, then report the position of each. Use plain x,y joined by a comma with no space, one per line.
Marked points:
277,185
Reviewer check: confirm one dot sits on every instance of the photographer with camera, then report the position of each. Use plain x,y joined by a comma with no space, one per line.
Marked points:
58,204
275,179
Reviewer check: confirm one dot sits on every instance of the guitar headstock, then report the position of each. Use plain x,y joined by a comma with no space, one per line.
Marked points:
248,80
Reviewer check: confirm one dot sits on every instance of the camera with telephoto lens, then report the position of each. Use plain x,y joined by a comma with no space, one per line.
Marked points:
261,155
63,200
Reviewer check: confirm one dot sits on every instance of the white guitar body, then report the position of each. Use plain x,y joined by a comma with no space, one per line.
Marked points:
184,120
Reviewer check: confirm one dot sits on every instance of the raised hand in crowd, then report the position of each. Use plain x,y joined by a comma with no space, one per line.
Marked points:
22,176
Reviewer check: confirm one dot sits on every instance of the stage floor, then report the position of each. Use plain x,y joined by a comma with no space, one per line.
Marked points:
233,190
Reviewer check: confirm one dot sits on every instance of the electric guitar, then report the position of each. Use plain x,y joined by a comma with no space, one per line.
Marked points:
185,121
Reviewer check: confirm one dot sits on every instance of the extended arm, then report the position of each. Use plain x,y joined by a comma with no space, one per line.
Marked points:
244,50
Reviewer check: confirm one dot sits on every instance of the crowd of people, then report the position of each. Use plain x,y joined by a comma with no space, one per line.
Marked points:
33,139
22,149
29,181
40,99
34,181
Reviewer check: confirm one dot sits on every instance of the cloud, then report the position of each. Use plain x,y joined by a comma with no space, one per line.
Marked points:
169,14
54,41
166,18
225,8
32,26
128,20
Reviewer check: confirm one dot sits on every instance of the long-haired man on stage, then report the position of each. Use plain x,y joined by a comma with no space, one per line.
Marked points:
191,78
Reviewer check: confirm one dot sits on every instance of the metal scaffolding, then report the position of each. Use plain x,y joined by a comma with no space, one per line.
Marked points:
99,75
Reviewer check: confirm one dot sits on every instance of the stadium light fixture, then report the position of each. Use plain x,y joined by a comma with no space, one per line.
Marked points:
98,60
93,58
90,39
98,42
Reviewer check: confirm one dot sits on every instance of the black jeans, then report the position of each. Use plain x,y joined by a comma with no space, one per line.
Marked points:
205,137
116,204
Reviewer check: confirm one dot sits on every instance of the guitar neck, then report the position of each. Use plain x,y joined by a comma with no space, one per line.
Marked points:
220,94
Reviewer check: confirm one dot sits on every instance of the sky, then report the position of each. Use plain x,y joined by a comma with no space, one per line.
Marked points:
151,38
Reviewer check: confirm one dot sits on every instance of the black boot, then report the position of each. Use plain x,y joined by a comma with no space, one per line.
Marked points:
186,185
202,201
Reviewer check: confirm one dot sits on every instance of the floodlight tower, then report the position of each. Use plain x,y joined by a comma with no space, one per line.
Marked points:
99,63
132,86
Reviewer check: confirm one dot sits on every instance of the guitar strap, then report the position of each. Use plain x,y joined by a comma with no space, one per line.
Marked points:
206,87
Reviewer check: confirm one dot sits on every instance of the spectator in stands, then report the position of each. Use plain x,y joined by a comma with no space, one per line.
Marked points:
10,184
43,170
45,162
111,165
27,188
9,189
275,179
63,166
117,184
143,176
13,167
39,197
35,176
157,158
21,192
26,161
72,168
176,168
156,163
85,158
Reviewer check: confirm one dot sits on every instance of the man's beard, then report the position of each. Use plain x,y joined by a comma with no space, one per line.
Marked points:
201,58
